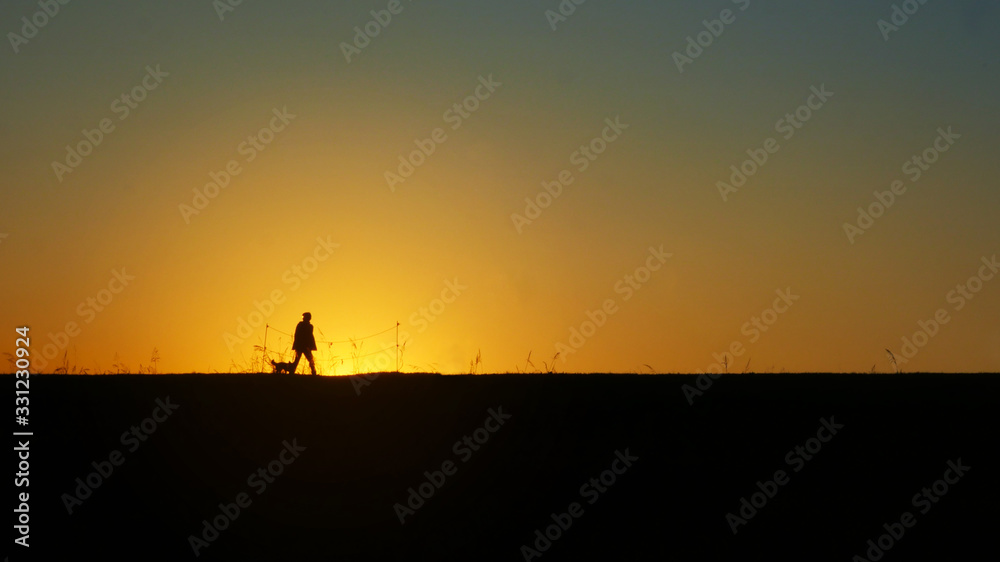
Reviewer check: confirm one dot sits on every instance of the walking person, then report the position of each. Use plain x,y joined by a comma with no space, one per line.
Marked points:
304,343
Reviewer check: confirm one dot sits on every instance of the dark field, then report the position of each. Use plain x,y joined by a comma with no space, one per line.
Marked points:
688,465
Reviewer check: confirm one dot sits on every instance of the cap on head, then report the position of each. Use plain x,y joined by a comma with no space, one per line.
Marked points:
307,315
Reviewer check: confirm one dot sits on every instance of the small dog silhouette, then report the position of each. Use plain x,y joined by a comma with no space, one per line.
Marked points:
283,367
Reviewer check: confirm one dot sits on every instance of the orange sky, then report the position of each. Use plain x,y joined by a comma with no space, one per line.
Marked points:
312,217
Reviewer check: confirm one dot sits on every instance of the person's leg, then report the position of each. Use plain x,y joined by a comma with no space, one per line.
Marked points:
295,363
312,364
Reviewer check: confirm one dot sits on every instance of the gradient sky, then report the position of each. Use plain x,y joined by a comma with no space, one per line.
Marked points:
323,176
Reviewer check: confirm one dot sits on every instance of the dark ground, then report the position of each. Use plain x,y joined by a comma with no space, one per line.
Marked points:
362,453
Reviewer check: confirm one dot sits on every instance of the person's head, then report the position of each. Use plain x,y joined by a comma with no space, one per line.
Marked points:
307,316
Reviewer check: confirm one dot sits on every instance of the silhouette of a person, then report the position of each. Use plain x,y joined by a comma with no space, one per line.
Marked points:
304,343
